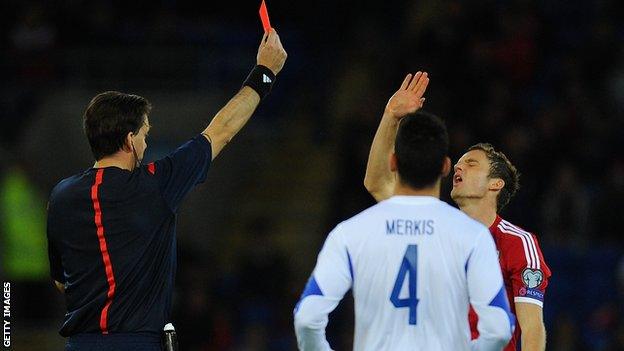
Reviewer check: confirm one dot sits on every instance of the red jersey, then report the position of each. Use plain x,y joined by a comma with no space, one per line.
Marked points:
525,273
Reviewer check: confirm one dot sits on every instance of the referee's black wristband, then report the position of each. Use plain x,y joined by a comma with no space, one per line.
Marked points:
261,80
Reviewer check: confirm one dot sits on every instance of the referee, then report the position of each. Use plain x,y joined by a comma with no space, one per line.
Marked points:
111,228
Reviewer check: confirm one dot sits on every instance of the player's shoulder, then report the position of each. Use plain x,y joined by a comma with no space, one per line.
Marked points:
509,232
516,241
362,217
455,218
464,220
520,248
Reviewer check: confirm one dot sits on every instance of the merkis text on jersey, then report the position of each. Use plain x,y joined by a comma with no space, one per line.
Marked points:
409,227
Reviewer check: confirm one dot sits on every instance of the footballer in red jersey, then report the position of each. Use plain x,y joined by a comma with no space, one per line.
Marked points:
484,181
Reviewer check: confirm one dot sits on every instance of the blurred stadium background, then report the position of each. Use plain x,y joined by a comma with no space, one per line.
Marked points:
541,80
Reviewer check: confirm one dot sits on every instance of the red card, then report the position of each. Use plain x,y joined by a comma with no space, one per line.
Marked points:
264,16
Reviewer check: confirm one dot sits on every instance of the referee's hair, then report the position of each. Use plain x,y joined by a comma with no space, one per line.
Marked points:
108,119
421,147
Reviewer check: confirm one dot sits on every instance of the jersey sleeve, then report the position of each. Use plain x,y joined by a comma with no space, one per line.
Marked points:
56,267
182,170
527,269
54,253
329,281
487,296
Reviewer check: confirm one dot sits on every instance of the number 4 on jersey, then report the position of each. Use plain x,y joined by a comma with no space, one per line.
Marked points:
408,268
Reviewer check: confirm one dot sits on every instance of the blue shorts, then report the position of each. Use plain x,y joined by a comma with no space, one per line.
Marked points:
114,342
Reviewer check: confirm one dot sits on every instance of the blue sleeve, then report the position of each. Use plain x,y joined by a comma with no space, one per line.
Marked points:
182,170
487,296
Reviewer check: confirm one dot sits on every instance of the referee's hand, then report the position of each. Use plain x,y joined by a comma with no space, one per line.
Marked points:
271,53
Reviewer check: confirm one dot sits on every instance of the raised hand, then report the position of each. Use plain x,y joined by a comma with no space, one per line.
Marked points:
271,53
409,98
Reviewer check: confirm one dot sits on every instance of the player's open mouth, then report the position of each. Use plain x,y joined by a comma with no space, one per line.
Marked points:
457,179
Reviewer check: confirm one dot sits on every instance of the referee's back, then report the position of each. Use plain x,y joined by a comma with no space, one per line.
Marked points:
111,241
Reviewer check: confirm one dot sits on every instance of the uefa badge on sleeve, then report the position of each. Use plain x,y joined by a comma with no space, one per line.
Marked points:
532,278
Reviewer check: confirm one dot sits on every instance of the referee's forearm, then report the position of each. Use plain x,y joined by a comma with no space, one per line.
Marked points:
231,118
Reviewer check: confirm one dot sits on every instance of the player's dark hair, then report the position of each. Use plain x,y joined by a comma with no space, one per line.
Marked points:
109,117
420,147
501,167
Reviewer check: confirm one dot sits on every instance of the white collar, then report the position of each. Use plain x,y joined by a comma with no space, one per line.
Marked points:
414,200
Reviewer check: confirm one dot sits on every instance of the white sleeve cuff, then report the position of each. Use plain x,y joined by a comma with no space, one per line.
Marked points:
529,300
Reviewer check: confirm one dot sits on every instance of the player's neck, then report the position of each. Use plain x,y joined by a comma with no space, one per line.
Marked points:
480,210
116,160
406,190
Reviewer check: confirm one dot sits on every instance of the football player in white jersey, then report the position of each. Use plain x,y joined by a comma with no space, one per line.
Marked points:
414,263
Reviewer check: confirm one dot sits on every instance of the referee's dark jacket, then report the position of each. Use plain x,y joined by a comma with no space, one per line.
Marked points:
112,242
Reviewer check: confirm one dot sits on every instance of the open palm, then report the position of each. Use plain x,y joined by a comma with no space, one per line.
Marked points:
409,98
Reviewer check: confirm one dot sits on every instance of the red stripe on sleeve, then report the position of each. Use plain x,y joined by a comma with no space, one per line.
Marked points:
108,267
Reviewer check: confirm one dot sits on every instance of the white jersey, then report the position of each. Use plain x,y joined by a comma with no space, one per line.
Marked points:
414,264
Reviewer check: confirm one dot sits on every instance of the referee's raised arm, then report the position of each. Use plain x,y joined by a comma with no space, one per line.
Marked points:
111,229
233,116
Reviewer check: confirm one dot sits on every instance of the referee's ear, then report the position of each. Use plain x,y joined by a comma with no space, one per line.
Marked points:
127,146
